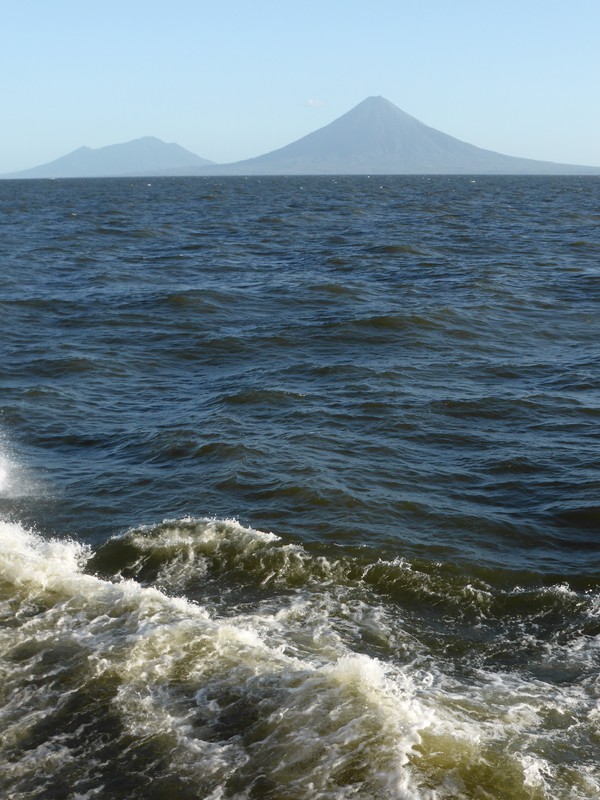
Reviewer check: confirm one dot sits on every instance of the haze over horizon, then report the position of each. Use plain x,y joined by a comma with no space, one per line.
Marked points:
375,137
233,82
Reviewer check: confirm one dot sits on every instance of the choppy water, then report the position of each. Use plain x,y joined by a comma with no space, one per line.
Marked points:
299,488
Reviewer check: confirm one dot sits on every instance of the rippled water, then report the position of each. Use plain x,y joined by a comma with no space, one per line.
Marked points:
299,488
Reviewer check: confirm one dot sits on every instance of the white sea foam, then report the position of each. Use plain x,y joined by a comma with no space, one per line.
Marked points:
4,473
10,483
278,691
14,478
181,675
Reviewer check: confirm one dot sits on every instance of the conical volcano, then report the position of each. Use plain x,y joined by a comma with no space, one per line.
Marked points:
376,137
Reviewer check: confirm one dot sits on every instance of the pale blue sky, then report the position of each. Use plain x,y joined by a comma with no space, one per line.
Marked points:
229,79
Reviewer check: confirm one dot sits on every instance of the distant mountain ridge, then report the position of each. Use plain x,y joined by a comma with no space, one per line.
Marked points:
375,137
145,156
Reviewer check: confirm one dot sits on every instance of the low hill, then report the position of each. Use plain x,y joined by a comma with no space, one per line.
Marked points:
145,156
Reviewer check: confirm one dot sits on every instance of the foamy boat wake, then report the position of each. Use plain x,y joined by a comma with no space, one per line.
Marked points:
142,670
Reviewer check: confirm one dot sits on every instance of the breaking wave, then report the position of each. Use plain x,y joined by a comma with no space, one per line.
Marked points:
202,658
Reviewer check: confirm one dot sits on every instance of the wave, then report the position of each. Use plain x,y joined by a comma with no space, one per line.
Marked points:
202,658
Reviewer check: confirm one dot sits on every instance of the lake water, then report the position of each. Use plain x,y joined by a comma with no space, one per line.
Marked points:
300,488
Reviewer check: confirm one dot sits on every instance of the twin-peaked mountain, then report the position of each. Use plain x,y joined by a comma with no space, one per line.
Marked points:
145,156
375,137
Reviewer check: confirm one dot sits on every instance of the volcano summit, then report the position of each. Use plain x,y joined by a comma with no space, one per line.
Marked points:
377,137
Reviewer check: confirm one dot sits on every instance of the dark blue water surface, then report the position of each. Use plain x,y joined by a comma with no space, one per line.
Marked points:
398,377
409,363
